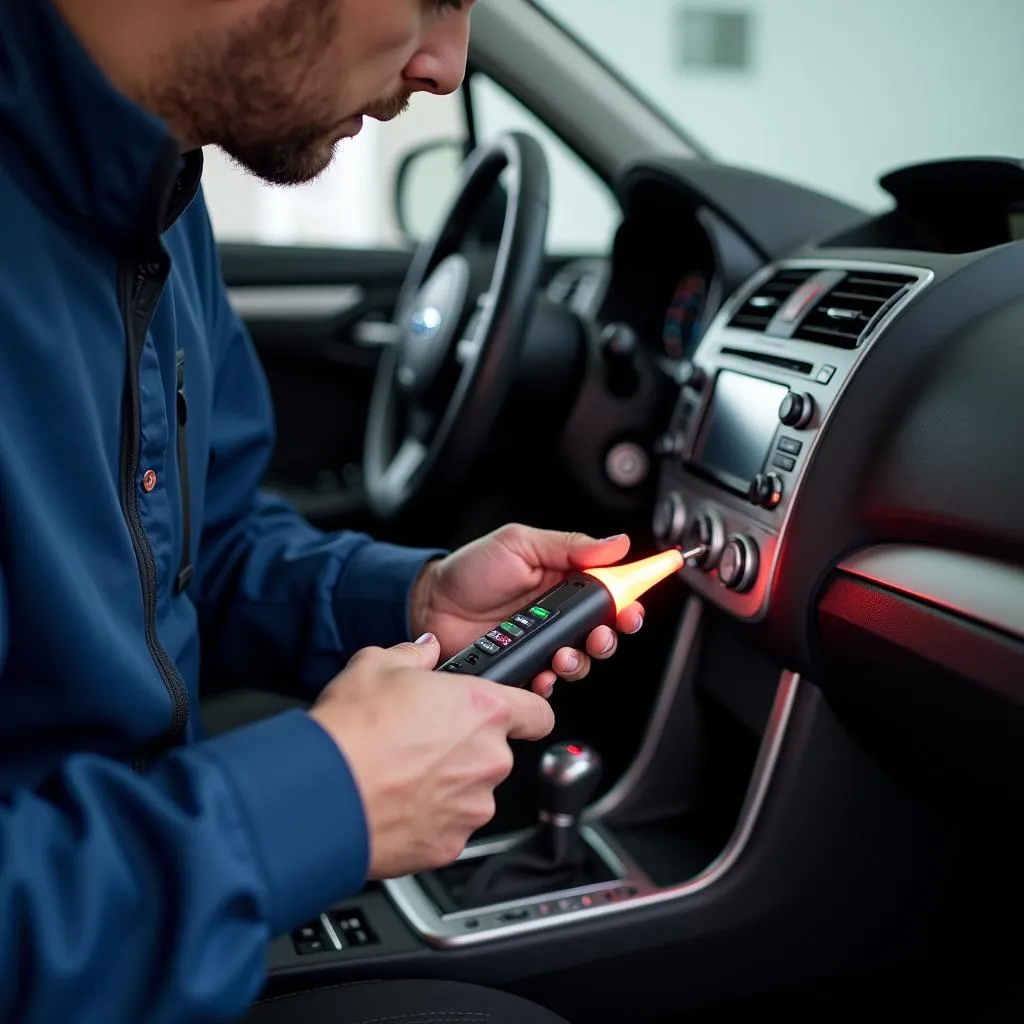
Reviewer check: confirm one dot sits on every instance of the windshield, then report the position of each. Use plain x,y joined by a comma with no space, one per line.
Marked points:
827,93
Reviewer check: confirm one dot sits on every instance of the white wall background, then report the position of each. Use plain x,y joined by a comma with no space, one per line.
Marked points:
837,92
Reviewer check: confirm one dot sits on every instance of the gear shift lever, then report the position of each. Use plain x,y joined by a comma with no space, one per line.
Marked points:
569,774
553,856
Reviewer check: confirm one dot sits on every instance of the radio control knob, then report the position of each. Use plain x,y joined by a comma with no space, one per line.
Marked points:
796,410
766,490
706,530
737,568
669,519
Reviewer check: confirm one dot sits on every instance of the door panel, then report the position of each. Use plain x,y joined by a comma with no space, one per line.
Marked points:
318,318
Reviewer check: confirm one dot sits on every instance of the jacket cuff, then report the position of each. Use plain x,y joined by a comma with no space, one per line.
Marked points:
372,603
304,813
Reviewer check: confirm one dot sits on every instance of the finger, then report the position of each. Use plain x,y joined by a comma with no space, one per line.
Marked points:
422,653
570,664
553,549
602,643
530,716
544,684
631,618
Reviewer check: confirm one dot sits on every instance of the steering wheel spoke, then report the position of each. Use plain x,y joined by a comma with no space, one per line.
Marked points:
420,424
405,465
439,389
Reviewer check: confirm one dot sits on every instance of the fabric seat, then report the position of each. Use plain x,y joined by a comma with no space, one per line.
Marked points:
401,1002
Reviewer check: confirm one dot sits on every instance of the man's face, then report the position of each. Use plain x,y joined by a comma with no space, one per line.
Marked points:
278,83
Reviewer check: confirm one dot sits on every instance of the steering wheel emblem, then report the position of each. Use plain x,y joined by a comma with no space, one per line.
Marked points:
425,323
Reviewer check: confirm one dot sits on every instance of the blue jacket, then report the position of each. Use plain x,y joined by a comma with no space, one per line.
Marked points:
143,867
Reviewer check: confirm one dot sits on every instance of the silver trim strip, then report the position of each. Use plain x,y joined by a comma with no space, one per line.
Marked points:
675,673
982,589
484,925
299,302
331,933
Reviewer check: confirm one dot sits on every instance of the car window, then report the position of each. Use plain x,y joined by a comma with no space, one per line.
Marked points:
352,205
584,213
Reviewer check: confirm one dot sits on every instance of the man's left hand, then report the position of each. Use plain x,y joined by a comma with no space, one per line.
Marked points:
460,597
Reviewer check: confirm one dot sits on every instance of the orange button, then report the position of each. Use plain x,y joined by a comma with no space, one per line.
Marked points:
148,481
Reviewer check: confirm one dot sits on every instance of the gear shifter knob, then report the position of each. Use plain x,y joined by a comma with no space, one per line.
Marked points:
569,775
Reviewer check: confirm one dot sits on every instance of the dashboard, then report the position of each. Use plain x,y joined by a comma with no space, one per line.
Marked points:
844,430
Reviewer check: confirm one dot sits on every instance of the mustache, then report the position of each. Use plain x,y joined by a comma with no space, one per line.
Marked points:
389,108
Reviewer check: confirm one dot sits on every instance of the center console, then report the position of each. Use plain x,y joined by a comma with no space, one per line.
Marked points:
753,403
675,829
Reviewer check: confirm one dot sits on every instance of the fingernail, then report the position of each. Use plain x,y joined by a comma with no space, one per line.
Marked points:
427,638
572,663
549,691
609,540
609,644
639,625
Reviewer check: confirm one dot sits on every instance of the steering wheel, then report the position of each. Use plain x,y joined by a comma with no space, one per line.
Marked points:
440,386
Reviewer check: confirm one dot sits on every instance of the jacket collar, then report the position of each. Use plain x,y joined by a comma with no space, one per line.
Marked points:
90,157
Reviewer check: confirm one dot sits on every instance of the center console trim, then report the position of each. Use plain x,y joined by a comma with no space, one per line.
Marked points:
678,675
447,931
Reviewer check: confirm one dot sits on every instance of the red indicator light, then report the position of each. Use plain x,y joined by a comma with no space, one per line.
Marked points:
574,750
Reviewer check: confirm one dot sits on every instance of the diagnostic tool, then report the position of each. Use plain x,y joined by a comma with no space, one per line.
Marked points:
524,644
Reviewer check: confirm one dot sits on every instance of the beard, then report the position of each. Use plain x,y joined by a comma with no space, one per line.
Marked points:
268,93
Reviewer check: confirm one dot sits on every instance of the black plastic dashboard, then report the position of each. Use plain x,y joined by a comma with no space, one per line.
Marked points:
853,399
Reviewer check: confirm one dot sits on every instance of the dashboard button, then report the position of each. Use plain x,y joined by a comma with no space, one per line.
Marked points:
670,445
825,374
786,462
692,376
669,519
738,566
790,445
487,646
796,410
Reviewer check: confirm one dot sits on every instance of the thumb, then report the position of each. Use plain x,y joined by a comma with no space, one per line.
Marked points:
578,551
423,653
554,550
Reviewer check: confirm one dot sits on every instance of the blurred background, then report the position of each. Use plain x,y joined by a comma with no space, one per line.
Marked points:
730,73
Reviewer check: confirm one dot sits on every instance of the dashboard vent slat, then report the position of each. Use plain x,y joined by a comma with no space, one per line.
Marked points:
760,308
843,316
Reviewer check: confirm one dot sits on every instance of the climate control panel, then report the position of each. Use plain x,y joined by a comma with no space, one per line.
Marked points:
753,403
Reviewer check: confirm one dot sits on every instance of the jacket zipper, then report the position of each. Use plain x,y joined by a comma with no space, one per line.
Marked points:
184,577
139,287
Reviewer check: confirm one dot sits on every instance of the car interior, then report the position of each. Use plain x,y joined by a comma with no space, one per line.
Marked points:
798,788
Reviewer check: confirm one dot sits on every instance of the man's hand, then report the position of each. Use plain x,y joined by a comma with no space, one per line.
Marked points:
460,597
427,750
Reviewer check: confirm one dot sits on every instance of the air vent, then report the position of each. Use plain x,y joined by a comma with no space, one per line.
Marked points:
843,316
760,308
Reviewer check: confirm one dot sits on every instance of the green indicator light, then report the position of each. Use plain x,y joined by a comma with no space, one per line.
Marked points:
512,630
541,613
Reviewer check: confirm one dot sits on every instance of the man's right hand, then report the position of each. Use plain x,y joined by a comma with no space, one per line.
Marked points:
427,750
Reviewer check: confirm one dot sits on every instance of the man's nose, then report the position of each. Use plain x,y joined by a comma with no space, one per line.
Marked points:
439,65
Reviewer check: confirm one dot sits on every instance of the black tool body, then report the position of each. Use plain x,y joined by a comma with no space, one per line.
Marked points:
524,643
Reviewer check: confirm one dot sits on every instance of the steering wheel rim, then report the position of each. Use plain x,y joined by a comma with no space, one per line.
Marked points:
411,451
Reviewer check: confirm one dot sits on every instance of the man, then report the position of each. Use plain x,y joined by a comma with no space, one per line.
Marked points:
144,867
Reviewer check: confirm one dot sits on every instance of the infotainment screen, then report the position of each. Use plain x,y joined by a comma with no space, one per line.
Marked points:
738,430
